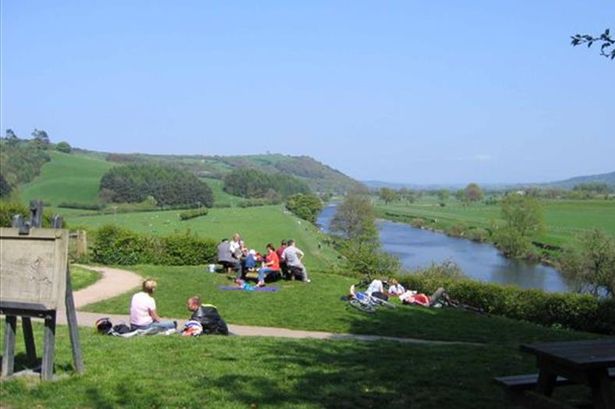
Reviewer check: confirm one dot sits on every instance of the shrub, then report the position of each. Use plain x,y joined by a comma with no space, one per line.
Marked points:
193,213
64,147
81,206
570,310
418,222
306,206
115,245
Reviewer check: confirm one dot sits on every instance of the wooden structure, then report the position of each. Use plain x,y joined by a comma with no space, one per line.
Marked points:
35,283
562,363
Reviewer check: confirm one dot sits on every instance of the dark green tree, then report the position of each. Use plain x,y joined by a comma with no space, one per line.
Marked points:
589,264
523,217
64,147
306,206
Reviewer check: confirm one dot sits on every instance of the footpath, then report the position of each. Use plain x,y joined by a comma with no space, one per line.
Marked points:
115,282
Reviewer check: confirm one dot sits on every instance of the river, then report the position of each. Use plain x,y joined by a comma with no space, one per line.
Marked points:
417,248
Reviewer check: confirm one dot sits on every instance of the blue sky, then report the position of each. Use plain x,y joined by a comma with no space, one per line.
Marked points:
408,91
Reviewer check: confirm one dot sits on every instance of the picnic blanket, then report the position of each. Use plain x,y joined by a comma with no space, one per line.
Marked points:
248,288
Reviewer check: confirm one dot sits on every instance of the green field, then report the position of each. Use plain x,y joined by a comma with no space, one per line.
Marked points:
220,196
263,372
564,219
257,226
67,178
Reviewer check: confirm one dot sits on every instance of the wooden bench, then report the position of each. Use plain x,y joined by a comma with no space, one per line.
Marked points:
529,381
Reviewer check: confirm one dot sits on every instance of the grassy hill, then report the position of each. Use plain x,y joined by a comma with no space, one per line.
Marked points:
320,177
608,178
67,178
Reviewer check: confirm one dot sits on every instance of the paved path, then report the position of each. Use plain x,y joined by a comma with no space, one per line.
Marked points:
115,282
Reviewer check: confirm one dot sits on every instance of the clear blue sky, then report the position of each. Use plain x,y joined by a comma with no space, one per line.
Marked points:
408,91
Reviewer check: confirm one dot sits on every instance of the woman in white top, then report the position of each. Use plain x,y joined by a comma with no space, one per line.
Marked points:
143,314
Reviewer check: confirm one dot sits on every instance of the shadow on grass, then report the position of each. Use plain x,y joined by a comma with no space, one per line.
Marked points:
365,375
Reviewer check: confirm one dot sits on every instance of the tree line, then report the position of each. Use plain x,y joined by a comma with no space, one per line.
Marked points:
168,186
254,184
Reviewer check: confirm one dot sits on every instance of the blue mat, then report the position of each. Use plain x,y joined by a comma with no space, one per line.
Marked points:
250,288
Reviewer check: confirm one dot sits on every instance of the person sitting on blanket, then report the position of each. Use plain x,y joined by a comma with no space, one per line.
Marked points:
412,297
143,314
207,315
271,265
395,288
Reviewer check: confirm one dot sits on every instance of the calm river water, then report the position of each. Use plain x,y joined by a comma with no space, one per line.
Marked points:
418,248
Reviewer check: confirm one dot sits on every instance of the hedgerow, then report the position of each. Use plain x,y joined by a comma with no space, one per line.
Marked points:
116,245
568,310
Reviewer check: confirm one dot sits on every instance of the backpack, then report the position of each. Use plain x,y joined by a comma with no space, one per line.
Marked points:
103,325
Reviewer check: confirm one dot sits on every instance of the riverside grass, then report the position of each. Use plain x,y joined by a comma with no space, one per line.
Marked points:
264,372
564,219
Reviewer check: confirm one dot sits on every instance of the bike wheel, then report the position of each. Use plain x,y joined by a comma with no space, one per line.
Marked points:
368,308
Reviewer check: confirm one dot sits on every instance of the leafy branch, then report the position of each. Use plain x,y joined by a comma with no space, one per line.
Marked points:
607,43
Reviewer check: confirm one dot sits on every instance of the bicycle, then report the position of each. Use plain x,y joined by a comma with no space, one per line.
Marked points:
367,303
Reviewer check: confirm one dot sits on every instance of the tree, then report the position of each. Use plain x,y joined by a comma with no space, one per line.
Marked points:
388,195
443,195
473,193
355,219
523,217
607,43
40,136
11,138
306,206
64,147
590,263
5,188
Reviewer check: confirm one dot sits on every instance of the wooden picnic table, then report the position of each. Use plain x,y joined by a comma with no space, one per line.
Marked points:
583,362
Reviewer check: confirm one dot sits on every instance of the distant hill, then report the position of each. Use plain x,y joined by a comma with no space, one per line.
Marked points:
75,177
608,178
318,176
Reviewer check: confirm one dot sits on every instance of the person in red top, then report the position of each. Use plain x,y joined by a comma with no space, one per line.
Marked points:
271,265
279,251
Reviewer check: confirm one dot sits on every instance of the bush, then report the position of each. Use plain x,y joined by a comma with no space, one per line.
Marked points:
193,213
306,206
115,245
81,206
570,310
64,147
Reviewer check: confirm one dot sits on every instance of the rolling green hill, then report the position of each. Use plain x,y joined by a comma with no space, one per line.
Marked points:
67,178
318,176
607,178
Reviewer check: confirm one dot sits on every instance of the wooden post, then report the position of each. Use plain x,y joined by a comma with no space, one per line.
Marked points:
82,243
73,330
28,337
8,358
49,343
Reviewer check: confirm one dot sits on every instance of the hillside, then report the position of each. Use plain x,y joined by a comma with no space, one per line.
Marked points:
318,176
76,177
608,178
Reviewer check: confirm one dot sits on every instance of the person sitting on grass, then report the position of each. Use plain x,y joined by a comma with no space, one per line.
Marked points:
226,258
207,315
293,257
271,265
143,314
439,297
395,288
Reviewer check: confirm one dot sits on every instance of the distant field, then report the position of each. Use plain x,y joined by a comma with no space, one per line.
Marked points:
257,226
220,196
564,219
67,178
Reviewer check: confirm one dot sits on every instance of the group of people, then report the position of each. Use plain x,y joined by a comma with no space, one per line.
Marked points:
286,260
144,315
394,289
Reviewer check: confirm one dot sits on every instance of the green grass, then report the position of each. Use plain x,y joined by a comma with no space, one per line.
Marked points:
317,306
82,277
220,196
564,219
257,226
67,178
240,372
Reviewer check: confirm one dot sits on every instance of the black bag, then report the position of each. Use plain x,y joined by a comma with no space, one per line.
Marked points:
121,328
103,325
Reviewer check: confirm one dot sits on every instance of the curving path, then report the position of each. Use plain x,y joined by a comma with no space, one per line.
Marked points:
115,282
